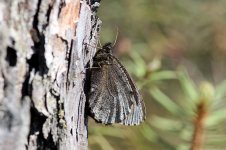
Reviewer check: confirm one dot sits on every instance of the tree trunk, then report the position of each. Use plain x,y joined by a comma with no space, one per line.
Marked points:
42,72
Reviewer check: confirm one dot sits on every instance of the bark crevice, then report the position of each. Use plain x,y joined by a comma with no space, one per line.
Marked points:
43,65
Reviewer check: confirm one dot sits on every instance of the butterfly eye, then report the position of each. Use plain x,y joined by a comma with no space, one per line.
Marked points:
92,89
108,47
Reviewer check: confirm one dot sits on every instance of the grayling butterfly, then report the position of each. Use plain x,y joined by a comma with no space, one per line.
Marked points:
113,97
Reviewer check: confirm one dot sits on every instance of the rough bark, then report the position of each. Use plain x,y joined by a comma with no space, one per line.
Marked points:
43,62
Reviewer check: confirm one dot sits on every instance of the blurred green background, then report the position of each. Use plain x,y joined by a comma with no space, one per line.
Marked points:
176,52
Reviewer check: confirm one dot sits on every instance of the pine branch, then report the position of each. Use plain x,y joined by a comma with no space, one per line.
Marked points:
198,135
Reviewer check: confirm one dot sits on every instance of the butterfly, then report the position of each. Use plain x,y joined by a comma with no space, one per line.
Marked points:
113,96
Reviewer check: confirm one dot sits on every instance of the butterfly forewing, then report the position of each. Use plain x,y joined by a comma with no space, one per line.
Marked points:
113,97
132,96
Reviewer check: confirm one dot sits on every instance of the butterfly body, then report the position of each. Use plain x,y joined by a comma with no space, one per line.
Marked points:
113,97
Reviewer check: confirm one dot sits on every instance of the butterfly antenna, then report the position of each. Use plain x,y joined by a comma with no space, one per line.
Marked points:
116,37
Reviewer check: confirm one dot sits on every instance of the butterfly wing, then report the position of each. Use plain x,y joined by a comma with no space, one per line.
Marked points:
131,95
113,96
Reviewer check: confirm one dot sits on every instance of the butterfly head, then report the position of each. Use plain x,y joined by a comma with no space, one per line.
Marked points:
108,47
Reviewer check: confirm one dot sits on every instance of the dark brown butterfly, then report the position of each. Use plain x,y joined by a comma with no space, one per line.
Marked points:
113,97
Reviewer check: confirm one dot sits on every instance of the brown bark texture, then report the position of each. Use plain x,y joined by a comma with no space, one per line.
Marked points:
43,62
